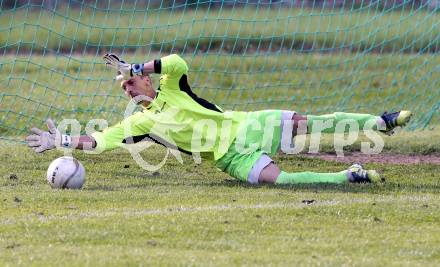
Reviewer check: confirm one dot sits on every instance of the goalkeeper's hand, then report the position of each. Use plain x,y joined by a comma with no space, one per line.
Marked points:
41,141
124,69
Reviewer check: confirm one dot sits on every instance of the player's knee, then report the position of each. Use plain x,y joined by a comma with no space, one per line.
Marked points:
298,117
263,168
269,174
299,124
264,171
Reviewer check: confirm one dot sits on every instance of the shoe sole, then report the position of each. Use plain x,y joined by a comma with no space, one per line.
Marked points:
375,177
404,118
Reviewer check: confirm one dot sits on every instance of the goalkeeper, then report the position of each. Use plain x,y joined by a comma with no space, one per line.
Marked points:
237,143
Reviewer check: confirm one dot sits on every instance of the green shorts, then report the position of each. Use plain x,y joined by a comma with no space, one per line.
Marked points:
258,136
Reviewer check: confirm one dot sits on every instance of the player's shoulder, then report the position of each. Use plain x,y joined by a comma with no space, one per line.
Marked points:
173,58
173,64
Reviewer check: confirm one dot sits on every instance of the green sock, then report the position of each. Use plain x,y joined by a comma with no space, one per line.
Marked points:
339,116
311,177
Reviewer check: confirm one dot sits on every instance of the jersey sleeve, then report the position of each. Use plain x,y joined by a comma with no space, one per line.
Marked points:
172,68
117,135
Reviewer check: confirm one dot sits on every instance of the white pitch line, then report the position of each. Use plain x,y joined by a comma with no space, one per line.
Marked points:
181,209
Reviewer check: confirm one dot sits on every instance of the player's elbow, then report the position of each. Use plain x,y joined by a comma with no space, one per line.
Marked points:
174,64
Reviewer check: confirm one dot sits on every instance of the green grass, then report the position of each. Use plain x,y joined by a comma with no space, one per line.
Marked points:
237,30
194,215
402,142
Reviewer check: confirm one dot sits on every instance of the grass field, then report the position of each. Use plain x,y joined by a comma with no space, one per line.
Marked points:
234,30
194,215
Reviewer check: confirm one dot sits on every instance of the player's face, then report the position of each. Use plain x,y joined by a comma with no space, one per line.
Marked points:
139,85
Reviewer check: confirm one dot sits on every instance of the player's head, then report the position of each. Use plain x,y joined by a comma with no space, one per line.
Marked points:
139,85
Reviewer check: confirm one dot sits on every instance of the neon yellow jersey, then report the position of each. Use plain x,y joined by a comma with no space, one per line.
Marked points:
176,117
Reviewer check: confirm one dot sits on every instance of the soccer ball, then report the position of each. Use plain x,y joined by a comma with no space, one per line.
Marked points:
66,173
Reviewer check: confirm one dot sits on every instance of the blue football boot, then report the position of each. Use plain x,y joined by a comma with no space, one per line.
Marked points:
357,174
395,119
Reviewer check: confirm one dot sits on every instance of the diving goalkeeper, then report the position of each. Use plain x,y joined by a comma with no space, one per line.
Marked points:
239,144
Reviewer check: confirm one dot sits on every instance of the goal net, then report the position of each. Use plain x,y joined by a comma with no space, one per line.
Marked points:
308,56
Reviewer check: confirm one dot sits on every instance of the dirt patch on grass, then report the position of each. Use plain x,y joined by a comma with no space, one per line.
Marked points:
379,158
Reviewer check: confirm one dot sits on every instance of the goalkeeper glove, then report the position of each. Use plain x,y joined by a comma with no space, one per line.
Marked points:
41,141
123,68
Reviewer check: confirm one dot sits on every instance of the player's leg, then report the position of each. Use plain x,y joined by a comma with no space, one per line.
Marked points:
354,174
328,122
299,123
257,167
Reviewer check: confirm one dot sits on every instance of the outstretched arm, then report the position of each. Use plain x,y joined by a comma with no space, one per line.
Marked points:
148,67
172,65
41,141
132,129
84,142
126,70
